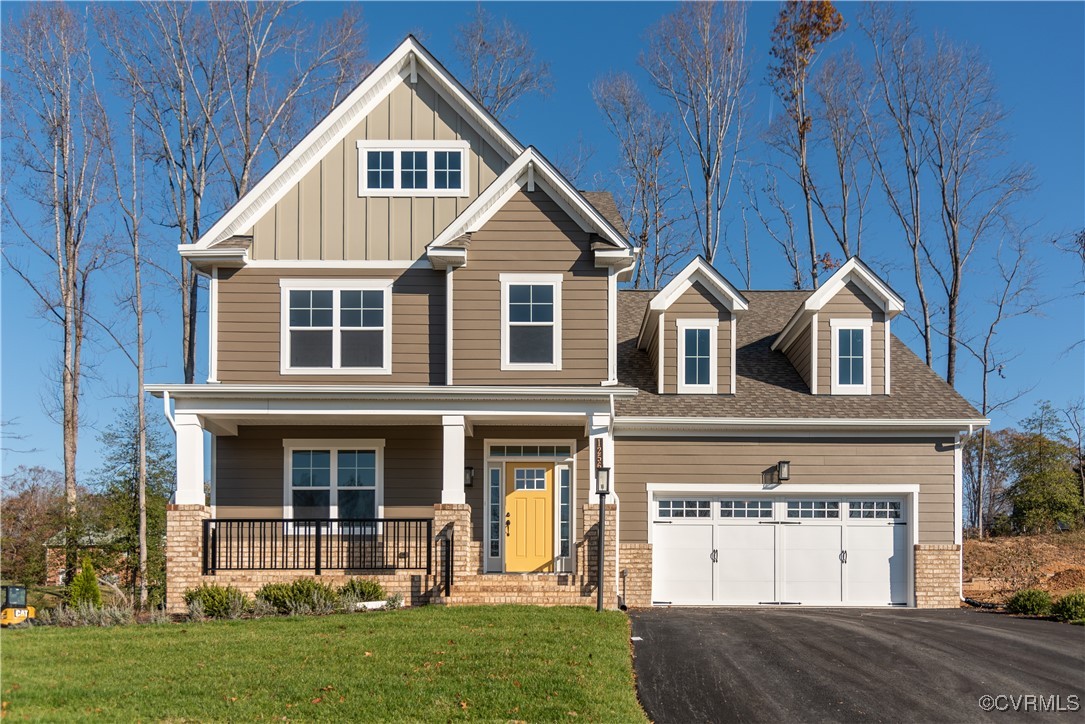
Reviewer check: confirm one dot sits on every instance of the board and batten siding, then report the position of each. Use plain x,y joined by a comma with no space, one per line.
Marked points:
697,303
827,461
798,352
249,332
530,234
323,218
250,475
851,303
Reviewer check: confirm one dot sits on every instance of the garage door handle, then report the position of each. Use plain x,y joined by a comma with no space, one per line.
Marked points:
843,556
715,556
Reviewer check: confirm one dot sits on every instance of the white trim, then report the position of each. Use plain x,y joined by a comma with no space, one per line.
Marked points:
429,147
364,264
660,356
339,122
712,325
189,459
213,326
448,325
552,280
612,327
836,326
888,354
214,474
734,352
717,425
332,445
391,392
814,354
452,457
335,286
958,491
697,270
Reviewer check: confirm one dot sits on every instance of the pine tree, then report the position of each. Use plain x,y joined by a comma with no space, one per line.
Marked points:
1044,492
84,590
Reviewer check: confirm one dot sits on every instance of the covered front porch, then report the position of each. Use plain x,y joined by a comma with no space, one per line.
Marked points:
491,505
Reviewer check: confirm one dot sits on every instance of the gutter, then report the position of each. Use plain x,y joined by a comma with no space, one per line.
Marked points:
732,424
386,392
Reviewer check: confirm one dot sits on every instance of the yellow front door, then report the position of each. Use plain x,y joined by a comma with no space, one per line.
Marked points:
529,517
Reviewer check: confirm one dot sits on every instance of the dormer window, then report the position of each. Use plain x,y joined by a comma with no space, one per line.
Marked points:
412,168
697,356
850,356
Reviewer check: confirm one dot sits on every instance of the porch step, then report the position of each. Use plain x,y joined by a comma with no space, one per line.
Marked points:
527,588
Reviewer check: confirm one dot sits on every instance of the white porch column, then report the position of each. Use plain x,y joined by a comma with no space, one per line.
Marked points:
452,479
599,429
189,460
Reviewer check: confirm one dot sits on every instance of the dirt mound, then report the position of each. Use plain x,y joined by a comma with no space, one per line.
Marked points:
997,567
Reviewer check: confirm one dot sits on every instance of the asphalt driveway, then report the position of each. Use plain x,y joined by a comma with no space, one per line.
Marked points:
783,665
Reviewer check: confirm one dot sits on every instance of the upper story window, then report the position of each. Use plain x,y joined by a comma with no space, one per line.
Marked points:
336,326
697,356
531,321
850,356
412,168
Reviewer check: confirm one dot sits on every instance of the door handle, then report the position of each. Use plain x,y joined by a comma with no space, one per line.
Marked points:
843,556
715,556
508,527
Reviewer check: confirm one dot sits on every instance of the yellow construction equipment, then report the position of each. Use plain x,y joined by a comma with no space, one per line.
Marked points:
15,613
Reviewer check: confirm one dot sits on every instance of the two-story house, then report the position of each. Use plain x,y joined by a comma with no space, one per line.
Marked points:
423,368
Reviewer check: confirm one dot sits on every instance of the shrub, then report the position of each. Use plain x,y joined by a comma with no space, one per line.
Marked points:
393,602
84,590
1031,602
1070,607
300,597
363,589
213,601
87,615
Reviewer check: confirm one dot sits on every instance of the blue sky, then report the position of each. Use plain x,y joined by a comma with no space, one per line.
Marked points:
1037,54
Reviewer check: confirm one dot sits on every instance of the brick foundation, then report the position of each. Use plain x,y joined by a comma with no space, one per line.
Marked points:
184,552
635,579
937,576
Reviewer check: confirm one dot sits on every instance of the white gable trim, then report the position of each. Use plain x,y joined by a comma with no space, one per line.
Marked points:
697,270
409,57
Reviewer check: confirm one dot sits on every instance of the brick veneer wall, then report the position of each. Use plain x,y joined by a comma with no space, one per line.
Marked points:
937,576
184,552
636,578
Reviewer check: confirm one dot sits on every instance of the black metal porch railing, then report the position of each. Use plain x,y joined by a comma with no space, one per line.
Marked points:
272,544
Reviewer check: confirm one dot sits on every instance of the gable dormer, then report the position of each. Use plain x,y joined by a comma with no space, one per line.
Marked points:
689,330
839,338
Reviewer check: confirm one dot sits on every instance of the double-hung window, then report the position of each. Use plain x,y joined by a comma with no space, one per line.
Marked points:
850,356
340,326
531,321
698,363
333,479
412,168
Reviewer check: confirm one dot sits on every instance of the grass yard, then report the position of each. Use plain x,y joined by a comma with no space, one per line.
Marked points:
430,663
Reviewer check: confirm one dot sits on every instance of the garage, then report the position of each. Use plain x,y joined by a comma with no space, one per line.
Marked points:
780,550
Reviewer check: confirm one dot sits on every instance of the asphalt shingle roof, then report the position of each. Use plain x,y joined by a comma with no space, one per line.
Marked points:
604,203
767,385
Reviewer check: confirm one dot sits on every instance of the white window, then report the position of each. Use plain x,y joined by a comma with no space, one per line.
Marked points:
685,509
813,509
412,168
531,321
338,326
698,365
850,356
874,509
529,479
334,479
745,508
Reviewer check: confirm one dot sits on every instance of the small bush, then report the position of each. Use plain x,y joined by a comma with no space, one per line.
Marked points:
393,602
1030,602
300,597
363,589
87,615
213,601
84,589
1070,607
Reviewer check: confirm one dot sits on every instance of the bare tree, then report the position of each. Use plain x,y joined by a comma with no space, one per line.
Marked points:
500,63
574,158
649,188
801,28
779,211
965,143
54,128
1075,418
696,58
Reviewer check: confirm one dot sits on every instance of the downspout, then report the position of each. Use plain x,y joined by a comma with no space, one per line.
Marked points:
168,411
960,586
617,507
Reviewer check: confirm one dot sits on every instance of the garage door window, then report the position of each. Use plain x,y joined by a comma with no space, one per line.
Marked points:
685,509
883,509
813,509
745,508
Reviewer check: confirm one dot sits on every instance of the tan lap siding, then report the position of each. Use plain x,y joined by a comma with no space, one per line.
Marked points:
928,463
851,303
697,303
529,235
249,329
250,472
798,352
322,217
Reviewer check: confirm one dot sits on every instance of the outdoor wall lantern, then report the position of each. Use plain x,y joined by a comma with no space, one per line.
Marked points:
602,487
602,481
468,477
783,470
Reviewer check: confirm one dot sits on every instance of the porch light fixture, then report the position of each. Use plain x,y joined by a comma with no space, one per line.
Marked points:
783,470
602,487
602,481
468,477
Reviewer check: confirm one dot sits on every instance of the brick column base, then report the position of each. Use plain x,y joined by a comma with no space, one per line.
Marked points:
635,577
454,520
184,552
937,576
588,554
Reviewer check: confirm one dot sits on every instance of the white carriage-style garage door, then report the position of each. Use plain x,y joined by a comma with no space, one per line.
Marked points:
745,550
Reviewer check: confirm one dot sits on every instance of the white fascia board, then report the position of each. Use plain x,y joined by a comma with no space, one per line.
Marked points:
366,95
743,426
204,260
447,257
697,270
386,392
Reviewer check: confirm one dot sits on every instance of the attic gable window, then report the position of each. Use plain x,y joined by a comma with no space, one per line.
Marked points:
850,356
412,168
336,326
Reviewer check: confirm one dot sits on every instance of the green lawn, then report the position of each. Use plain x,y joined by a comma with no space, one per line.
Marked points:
431,663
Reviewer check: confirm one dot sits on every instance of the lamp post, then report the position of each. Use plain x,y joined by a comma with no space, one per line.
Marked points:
602,488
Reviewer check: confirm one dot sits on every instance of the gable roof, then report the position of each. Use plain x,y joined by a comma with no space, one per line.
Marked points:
698,270
768,385
604,203
407,60
851,271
